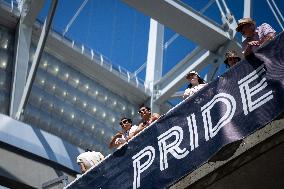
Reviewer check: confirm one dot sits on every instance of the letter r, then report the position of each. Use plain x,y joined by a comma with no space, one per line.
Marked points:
172,148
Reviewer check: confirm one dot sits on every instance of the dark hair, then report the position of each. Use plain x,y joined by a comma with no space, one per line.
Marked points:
149,109
88,150
200,81
128,119
227,65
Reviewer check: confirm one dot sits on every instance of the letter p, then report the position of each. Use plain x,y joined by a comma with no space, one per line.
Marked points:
138,167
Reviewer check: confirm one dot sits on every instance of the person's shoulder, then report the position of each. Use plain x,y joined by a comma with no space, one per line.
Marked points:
134,127
96,154
264,26
80,156
156,115
187,89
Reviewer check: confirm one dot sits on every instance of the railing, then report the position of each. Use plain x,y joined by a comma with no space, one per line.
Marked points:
95,56
177,143
100,59
62,179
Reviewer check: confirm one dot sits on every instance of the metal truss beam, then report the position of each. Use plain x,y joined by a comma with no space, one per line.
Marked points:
28,16
169,84
185,21
30,11
247,8
154,58
23,41
213,70
197,60
155,54
36,60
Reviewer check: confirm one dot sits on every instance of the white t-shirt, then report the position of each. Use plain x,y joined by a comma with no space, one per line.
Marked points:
90,159
127,133
190,91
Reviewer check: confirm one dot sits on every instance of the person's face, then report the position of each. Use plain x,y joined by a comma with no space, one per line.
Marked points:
144,112
125,124
247,30
232,61
193,79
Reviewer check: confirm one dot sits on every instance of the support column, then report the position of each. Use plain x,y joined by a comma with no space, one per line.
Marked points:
247,8
23,41
36,60
212,73
154,59
29,11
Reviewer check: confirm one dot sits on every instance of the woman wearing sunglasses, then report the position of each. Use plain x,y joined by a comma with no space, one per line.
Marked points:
195,84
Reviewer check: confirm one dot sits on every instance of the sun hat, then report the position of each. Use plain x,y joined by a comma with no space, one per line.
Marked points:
231,54
244,21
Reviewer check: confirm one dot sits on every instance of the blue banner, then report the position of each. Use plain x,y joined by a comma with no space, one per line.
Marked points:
243,100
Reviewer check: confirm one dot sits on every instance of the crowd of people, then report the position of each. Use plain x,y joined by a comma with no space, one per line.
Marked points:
128,130
254,38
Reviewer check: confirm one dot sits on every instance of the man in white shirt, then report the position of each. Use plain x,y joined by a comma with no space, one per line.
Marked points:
128,131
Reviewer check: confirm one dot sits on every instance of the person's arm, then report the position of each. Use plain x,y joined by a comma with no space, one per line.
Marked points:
154,117
186,93
268,37
249,48
119,141
116,141
140,128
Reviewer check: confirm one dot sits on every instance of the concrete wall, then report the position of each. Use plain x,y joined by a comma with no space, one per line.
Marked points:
20,169
257,163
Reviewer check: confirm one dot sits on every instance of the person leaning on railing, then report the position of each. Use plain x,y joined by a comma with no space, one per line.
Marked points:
147,118
128,131
195,84
254,36
89,159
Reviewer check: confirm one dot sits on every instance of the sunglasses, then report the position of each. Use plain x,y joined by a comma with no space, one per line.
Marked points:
125,121
142,110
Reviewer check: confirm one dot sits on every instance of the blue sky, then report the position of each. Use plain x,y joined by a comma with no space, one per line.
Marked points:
120,32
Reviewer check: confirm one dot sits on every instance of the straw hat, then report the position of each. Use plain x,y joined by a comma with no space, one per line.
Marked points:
231,54
244,21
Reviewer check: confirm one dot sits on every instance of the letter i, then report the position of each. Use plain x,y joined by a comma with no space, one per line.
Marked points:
191,121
